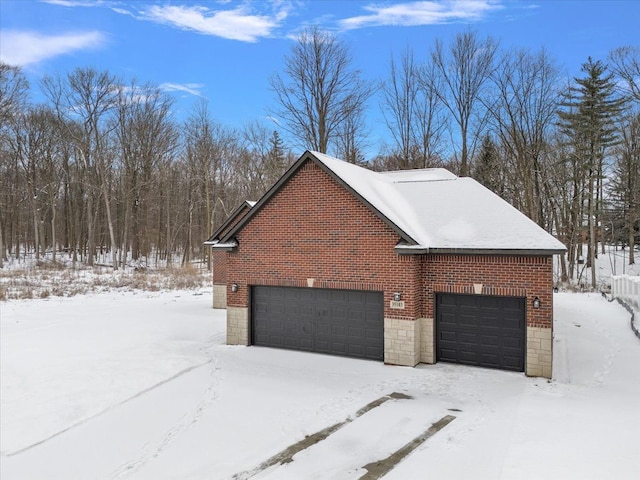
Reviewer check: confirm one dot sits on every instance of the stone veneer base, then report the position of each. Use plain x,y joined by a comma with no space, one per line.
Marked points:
427,340
237,326
219,296
401,342
539,352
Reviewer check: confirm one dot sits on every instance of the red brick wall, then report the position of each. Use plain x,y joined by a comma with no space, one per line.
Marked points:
219,267
314,228
219,256
528,277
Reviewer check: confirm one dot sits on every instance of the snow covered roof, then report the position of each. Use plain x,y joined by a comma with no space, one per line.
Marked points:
419,175
434,210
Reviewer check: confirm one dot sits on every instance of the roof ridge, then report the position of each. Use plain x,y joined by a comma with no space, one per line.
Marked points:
427,180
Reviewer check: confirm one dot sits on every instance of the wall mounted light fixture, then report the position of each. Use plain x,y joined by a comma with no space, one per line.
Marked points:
397,297
234,287
536,302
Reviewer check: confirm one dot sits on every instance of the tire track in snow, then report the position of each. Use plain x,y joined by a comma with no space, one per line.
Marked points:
186,421
108,409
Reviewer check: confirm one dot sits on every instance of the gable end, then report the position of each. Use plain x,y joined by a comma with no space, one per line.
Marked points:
308,156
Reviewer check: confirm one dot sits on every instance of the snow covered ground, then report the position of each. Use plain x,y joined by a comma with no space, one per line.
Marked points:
140,385
615,261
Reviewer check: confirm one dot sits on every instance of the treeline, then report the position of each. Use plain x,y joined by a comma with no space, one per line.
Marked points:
103,165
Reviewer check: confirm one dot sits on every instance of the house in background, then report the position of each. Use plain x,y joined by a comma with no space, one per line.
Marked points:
402,267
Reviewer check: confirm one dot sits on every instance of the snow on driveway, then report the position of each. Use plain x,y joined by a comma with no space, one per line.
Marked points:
141,386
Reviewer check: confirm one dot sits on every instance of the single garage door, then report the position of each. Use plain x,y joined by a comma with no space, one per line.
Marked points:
338,322
480,330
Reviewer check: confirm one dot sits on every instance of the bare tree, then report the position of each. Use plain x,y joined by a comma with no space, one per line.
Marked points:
211,153
626,179
35,144
85,99
320,89
399,104
524,113
351,140
413,112
146,136
13,99
464,69
431,123
264,160
625,63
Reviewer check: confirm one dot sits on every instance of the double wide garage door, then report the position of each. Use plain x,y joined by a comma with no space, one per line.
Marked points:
338,322
480,330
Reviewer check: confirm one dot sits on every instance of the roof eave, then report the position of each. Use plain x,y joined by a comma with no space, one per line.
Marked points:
226,246
538,252
411,249
405,249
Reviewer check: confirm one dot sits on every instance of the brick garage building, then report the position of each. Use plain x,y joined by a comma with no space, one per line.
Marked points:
219,256
403,267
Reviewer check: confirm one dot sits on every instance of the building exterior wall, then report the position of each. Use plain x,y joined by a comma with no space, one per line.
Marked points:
314,233
219,263
219,267
516,276
319,235
220,296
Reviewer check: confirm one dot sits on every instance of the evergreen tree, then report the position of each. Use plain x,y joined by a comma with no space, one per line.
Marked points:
589,115
625,186
488,170
276,160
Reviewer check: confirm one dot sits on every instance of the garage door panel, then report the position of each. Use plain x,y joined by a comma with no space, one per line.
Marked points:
340,322
512,342
447,336
469,338
509,303
489,340
372,333
481,330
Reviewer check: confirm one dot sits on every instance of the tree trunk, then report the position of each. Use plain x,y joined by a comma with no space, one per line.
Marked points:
107,207
36,229
91,246
2,250
592,233
632,221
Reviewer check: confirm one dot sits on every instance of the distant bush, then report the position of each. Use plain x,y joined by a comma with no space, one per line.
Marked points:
48,278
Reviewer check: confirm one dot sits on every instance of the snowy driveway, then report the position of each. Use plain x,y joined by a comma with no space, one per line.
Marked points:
142,386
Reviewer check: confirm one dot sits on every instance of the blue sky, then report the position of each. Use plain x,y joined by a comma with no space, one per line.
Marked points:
225,51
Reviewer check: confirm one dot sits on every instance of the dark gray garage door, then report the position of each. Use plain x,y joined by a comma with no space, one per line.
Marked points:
339,322
480,330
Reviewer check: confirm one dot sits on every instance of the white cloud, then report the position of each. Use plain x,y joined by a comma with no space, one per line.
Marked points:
75,3
191,88
421,13
236,24
24,48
